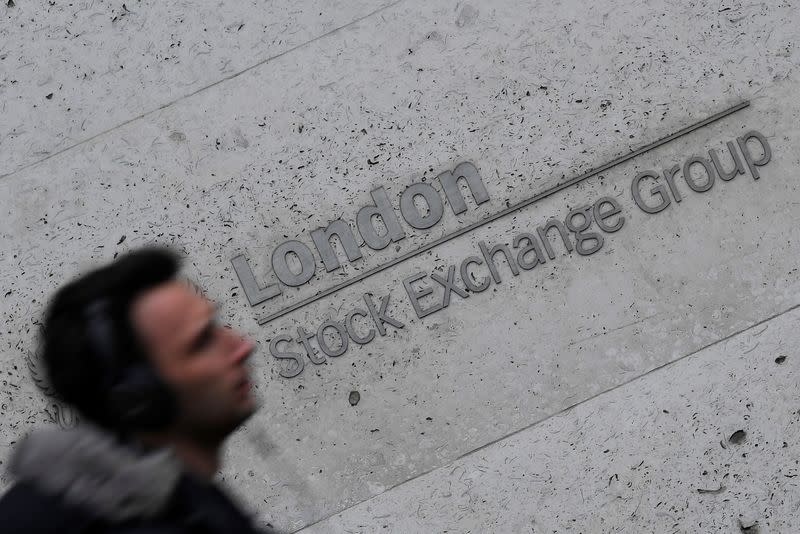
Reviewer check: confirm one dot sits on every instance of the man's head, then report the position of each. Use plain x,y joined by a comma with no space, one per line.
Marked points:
157,323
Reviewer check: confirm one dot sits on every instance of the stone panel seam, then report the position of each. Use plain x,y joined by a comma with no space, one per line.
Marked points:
556,414
200,90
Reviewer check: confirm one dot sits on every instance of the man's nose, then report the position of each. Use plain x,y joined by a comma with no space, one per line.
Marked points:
243,346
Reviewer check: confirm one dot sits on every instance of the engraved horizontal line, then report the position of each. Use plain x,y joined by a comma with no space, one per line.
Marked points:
202,89
511,209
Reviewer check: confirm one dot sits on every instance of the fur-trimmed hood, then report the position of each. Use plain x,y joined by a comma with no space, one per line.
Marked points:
91,469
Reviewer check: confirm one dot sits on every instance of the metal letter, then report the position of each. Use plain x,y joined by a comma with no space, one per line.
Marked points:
748,157
330,323
659,189
687,174
352,331
669,176
295,368
281,267
738,167
380,317
322,240
533,245
449,286
382,209
558,225
305,339
410,212
449,181
465,275
254,293
600,216
415,295
578,231
488,255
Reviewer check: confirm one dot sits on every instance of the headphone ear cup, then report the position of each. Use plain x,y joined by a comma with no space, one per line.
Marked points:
141,400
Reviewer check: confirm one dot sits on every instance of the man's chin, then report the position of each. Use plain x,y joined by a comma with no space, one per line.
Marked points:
247,410
224,430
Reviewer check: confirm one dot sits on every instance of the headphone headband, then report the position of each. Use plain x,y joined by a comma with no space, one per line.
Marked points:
135,394
101,337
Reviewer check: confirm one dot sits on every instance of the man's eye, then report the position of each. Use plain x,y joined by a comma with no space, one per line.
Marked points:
205,337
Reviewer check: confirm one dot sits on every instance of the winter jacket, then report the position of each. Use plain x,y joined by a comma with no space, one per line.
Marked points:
85,481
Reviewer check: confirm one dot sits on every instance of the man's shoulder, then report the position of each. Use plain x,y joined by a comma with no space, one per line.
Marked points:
71,480
207,506
24,508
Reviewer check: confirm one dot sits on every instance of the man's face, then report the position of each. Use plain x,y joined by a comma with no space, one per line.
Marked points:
202,361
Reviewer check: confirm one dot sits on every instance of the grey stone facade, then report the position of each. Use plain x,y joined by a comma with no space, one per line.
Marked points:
648,386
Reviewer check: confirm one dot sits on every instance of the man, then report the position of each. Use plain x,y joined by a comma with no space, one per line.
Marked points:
159,385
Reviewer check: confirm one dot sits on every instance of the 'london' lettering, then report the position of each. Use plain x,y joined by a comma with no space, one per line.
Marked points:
293,261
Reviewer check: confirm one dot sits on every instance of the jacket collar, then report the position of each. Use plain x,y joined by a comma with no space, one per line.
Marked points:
90,468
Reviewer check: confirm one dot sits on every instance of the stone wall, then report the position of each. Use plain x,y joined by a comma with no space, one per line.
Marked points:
645,383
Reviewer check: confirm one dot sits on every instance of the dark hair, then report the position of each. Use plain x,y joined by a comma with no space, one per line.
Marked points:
76,371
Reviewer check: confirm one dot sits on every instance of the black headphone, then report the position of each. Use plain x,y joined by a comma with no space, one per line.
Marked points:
138,399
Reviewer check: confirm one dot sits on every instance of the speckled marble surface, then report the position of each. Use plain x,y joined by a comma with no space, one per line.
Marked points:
218,159
70,71
706,444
